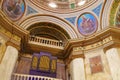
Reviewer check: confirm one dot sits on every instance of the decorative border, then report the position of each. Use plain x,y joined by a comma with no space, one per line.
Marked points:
113,11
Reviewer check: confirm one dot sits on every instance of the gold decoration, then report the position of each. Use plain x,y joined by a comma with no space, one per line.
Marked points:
2,48
34,62
44,63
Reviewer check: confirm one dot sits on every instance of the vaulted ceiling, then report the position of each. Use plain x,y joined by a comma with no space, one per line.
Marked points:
48,30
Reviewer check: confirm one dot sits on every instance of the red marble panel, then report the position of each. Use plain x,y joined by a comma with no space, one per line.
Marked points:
23,66
96,64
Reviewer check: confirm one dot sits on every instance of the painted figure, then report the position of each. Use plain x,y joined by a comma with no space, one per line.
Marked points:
13,8
87,24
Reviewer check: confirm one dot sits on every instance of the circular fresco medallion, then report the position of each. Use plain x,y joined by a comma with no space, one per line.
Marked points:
87,24
14,9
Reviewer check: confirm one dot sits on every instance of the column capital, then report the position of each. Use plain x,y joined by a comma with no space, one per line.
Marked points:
72,57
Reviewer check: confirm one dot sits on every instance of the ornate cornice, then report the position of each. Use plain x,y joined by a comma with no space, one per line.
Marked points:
15,33
106,39
11,26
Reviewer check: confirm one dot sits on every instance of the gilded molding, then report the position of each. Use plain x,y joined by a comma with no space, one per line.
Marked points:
113,11
105,39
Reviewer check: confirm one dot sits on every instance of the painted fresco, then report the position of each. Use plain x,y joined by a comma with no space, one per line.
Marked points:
87,24
14,9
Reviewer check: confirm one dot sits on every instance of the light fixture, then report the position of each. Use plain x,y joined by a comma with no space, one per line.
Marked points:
52,4
82,2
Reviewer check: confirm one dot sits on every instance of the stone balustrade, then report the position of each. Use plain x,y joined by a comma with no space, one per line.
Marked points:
16,76
46,41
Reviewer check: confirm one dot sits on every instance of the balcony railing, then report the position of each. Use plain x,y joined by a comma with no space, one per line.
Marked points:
30,77
46,41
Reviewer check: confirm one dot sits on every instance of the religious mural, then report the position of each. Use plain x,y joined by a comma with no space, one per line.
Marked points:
87,24
14,9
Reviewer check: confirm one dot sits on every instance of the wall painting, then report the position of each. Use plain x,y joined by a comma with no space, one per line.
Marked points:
14,9
87,24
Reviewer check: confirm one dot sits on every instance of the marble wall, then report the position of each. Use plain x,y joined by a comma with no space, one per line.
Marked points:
95,63
23,65
77,69
61,71
114,62
8,63
103,74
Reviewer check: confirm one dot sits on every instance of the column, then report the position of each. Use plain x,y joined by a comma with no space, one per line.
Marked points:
8,63
77,69
114,62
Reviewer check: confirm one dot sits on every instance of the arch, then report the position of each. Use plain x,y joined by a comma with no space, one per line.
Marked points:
106,13
50,19
113,12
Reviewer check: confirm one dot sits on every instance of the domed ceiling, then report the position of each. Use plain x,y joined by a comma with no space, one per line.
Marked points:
69,18
48,30
63,6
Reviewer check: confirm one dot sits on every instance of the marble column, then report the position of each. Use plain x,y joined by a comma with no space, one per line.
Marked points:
77,69
114,62
8,63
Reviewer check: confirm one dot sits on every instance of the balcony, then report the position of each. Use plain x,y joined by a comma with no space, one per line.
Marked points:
46,41
16,76
39,43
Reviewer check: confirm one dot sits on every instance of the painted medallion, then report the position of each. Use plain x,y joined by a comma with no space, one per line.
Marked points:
87,24
14,9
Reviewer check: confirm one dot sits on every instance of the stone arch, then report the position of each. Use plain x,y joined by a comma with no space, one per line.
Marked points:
50,19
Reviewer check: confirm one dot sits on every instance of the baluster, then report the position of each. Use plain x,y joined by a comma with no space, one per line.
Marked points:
43,41
36,39
17,77
33,78
57,43
40,40
24,78
27,77
39,78
47,41
50,42
36,78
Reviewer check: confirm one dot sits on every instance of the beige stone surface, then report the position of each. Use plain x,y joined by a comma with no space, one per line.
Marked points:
114,62
8,63
77,69
105,74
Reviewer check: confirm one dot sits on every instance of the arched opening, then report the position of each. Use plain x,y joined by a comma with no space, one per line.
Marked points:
48,30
